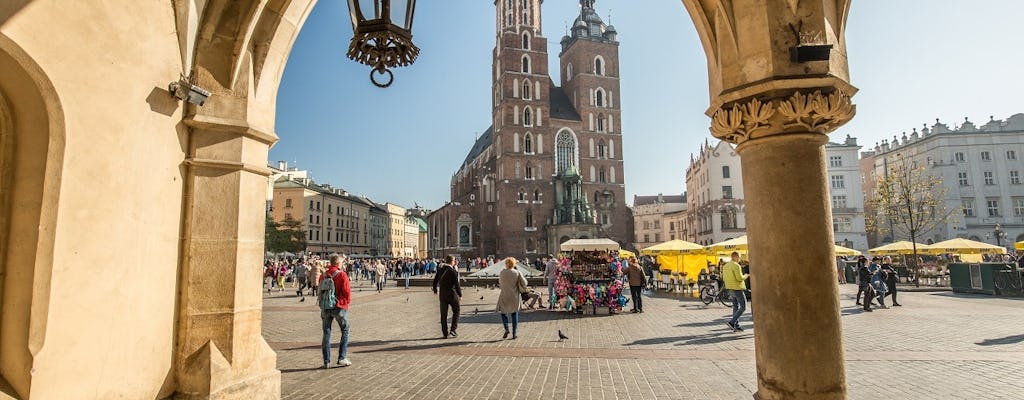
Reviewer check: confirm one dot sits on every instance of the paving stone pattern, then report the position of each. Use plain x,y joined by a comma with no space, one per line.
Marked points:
938,346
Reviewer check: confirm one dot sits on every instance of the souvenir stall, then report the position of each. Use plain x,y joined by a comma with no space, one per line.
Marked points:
590,277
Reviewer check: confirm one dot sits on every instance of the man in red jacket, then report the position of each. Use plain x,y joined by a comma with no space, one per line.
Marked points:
340,313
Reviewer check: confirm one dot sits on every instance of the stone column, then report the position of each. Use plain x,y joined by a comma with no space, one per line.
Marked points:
798,333
221,353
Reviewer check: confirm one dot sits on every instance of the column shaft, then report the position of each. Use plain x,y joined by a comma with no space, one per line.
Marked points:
798,332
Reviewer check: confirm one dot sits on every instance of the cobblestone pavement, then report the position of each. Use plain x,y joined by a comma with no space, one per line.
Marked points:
938,346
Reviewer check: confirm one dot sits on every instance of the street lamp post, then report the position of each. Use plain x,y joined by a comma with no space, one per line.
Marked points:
998,233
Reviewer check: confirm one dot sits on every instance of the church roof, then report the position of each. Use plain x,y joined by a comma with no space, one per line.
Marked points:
645,200
481,144
561,106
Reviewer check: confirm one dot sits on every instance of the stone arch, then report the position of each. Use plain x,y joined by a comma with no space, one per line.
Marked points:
29,181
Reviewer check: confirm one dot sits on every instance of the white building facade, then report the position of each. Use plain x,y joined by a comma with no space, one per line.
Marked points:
981,166
649,217
847,194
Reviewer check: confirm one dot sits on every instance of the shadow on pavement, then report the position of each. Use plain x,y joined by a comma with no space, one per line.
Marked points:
490,317
420,347
1001,341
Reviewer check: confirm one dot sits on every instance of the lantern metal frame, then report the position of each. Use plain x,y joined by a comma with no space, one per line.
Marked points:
379,43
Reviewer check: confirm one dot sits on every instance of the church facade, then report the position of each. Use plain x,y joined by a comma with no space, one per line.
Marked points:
550,168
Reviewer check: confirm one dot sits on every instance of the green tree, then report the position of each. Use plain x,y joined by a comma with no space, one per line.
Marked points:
908,202
287,235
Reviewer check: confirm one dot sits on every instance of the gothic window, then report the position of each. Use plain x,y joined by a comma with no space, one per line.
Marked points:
599,65
526,41
725,171
528,143
601,150
600,123
529,219
602,176
568,71
566,151
529,172
536,195
522,195
599,97
527,117
527,90
464,236
526,65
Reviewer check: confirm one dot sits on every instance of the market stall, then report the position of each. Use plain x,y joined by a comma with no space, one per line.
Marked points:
679,262
589,275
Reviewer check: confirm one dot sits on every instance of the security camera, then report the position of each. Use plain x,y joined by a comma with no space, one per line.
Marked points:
183,90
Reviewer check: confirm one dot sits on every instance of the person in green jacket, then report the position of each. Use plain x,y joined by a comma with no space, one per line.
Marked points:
736,285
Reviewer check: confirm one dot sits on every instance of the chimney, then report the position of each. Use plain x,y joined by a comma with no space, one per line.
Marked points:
282,165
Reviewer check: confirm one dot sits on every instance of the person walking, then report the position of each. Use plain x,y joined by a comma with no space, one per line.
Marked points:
735,283
863,282
380,275
449,294
407,266
841,269
334,295
891,279
512,285
877,282
551,274
637,281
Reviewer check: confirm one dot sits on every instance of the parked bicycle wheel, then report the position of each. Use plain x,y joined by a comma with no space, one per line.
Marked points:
707,295
725,297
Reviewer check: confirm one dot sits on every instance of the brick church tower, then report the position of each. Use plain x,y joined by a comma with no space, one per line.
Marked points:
550,167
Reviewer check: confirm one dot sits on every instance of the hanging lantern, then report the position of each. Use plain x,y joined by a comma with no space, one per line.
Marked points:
379,40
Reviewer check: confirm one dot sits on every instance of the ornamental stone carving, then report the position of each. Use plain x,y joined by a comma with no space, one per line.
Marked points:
815,112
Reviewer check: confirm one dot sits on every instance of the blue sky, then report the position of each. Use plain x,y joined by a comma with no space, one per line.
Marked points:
913,61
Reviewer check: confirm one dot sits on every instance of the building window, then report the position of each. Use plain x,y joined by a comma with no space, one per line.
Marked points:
536,195
657,238
565,144
522,195
527,90
729,218
989,180
838,202
725,171
647,225
287,203
318,206
986,156
529,219
835,161
598,66
528,143
529,172
602,176
527,117
962,178
600,123
311,218
287,216
599,98
1011,155
601,149
657,224
726,192
310,234
526,65
1018,207
311,204
837,182
958,156
993,207
842,224
526,41
647,238
329,211
1014,178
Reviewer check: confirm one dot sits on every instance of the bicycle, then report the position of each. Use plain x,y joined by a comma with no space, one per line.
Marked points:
711,292
1007,281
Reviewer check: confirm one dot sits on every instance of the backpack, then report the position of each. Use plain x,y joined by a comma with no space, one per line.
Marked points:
325,292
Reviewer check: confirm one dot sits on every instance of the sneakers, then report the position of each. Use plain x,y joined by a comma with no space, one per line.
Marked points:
327,365
454,335
505,336
344,362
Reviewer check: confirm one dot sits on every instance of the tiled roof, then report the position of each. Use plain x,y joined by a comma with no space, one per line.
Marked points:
481,143
645,200
561,105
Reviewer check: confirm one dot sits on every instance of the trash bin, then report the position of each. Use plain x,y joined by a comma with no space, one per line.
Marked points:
977,278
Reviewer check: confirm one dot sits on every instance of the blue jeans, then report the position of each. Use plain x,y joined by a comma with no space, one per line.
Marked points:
739,305
328,317
406,273
515,322
552,296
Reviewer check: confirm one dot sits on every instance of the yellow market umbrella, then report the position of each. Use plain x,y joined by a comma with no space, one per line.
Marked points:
845,252
626,254
673,247
964,246
902,247
1019,245
737,244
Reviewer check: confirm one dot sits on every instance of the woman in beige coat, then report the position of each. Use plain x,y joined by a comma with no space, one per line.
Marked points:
511,283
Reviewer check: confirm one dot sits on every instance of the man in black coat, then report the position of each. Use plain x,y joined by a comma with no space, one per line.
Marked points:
446,287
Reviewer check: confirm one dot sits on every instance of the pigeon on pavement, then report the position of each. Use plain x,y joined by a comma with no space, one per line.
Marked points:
561,336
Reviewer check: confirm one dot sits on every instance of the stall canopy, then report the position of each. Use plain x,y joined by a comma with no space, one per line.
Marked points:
626,254
902,247
1019,245
590,245
496,268
736,244
964,246
673,247
846,252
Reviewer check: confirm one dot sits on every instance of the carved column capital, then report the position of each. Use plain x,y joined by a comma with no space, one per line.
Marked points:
799,112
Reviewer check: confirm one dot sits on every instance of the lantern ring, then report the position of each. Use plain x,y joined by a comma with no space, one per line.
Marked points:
381,72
